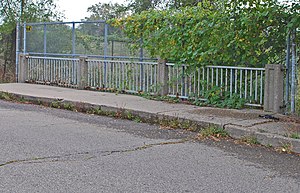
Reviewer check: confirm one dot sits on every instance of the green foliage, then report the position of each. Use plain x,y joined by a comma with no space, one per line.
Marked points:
6,96
250,33
251,140
12,12
217,97
293,135
137,6
105,11
95,111
213,131
55,104
69,106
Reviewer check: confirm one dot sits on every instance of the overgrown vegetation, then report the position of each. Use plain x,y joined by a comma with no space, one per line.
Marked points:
249,33
214,97
217,97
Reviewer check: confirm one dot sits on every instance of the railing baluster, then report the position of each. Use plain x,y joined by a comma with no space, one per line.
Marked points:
221,77
231,76
198,81
212,77
246,85
195,83
207,79
251,85
235,80
203,78
226,80
217,77
256,85
241,83
261,87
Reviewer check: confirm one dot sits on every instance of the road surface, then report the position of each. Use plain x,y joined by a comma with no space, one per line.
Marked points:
52,150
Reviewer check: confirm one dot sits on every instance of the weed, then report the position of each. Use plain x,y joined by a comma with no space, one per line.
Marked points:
164,122
69,106
174,123
137,120
285,148
6,96
185,125
128,115
217,97
213,131
293,135
95,111
55,104
251,140
269,145
39,102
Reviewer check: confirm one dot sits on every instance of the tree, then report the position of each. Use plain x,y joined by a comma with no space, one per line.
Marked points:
90,35
105,11
137,6
250,33
13,11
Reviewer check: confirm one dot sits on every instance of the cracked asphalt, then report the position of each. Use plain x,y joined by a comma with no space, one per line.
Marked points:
52,150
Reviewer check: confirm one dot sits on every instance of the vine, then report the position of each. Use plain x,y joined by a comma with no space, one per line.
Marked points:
250,33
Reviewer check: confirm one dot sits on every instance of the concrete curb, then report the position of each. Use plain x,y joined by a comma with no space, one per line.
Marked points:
236,132
266,139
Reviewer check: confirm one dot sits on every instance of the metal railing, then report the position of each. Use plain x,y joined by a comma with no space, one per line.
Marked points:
136,77
245,82
129,76
47,70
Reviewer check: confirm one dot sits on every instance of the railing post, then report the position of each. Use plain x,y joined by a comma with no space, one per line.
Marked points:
82,73
23,70
273,93
162,78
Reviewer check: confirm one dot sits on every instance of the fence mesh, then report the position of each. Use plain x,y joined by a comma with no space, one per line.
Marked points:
96,39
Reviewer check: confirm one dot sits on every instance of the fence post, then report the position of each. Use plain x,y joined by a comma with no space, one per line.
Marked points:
162,78
273,93
23,70
82,73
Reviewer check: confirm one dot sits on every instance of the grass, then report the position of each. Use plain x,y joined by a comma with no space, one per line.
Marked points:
213,131
295,135
6,96
292,135
250,140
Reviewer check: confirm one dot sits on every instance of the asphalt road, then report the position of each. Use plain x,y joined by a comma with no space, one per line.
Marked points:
51,150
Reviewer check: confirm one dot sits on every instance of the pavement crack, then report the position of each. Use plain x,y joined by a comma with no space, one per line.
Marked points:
42,159
86,155
146,146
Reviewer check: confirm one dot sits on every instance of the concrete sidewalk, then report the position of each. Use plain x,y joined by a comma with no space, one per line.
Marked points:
239,123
